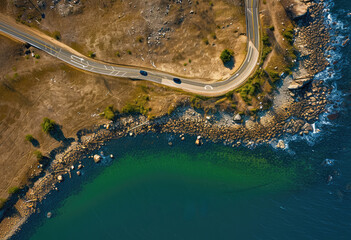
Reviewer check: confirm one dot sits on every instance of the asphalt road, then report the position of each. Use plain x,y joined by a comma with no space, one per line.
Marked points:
190,85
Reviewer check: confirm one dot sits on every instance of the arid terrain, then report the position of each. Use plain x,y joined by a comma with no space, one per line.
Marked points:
168,34
182,37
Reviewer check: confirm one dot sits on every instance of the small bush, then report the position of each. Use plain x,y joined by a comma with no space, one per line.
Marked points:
38,154
213,35
140,39
137,106
48,125
29,137
91,54
2,202
211,3
118,54
37,56
56,35
205,40
109,113
185,64
129,52
288,34
13,190
226,55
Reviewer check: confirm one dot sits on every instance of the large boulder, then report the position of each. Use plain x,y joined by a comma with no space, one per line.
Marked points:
281,144
237,118
97,158
299,83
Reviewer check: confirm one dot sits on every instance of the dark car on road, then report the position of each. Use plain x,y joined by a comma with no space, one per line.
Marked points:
177,80
144,73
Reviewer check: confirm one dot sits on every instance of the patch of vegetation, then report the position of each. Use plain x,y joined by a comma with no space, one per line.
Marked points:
29,137
91,54
37,56
205,40
226,55
38,155
140,39
185,64
109,113
129,52
138,105
211,3
48,125
13,190
252,87
2,202
288,34
274,75
213,35
56,35
266,49
118,54
189,60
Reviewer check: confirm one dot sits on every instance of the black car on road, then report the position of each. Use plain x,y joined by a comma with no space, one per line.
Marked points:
177,80
144,73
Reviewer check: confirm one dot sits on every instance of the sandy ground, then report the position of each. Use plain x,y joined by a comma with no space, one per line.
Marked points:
168,35
51,89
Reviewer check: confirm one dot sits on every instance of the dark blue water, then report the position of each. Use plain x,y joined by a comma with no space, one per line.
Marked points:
153,191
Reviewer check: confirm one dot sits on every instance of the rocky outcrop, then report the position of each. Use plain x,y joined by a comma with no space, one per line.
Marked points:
297,8
299,83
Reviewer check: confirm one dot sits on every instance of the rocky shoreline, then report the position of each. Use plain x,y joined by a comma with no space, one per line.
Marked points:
308,99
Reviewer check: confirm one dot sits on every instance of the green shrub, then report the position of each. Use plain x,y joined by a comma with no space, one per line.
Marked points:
211,3
118,54
56,35
13,190
205,40
129,52
2,202
38,154
37,56
137,106
213,35
226,55
109,113
29,137
140,39
288,34
91,54
48,125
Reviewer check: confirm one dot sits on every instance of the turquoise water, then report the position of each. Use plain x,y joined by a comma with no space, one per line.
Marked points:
154,191
179,192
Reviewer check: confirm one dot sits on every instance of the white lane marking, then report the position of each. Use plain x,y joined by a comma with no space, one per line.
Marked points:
105,67
249,54
79,64
116,73
208,87
79,61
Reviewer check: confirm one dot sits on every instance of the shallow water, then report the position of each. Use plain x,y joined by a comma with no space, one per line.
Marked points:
154,191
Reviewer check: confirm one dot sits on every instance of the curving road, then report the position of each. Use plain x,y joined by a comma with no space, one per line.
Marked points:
75,59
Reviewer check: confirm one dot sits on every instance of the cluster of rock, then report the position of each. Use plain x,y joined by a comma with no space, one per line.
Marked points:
313,40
